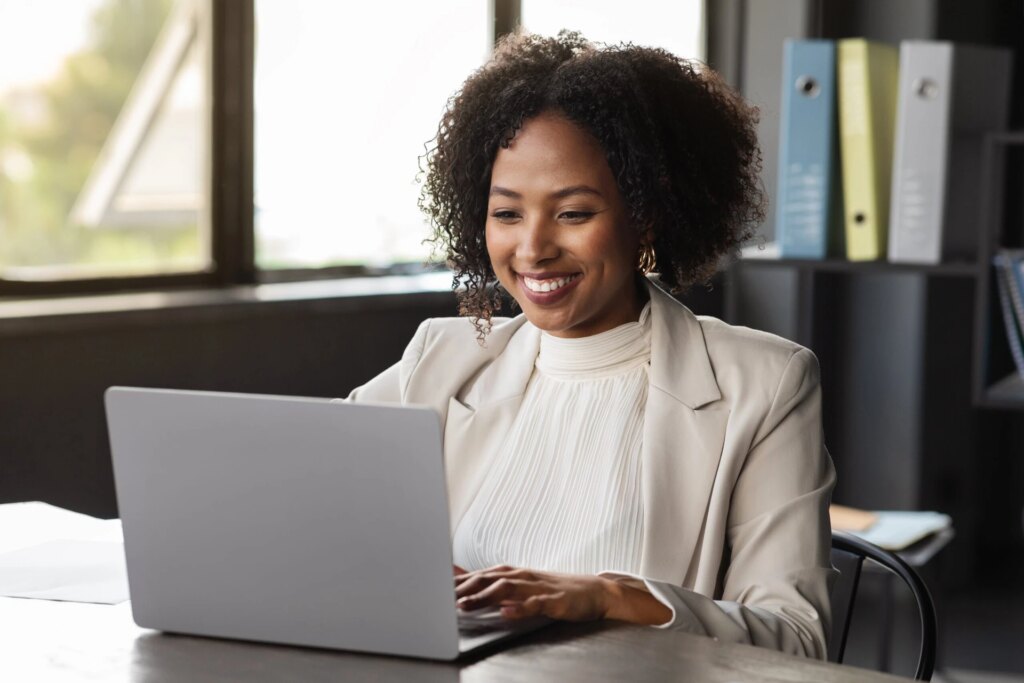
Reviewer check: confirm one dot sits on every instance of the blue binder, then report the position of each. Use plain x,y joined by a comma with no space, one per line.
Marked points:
807,201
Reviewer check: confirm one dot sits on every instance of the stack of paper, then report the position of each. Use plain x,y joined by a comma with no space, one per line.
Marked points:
896,530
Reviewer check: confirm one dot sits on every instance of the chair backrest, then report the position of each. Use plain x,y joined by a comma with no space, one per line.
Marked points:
848,555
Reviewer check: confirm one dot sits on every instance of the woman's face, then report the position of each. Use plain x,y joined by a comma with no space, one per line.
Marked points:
557,231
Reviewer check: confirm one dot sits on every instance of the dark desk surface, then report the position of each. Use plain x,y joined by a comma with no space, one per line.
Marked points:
51,641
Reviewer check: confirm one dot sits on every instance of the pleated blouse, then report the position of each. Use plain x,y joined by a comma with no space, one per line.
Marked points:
564,492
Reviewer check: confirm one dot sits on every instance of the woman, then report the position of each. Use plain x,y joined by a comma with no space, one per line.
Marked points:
609,454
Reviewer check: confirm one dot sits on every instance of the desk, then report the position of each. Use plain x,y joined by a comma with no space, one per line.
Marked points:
52,641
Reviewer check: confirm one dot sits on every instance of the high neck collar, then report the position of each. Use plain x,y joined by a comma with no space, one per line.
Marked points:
607,353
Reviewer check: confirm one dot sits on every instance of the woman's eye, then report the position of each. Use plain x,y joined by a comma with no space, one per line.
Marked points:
504,215
576,216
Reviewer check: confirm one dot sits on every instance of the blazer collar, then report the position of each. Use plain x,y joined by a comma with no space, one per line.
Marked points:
507,376
679,357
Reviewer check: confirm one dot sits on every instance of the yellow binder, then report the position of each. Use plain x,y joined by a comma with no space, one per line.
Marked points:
868,76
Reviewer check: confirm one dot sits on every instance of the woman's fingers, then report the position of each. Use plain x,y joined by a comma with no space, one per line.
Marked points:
523,593
492,574
530,607
472,584
499,590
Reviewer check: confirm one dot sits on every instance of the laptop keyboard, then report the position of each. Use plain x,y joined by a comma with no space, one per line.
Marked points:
479,621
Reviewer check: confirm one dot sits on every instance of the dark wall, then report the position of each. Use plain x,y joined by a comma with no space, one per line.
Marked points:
53,439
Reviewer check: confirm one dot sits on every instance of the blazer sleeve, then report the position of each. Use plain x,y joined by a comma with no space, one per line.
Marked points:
390,385
775,589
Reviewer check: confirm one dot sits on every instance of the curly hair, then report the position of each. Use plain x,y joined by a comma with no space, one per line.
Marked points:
680,143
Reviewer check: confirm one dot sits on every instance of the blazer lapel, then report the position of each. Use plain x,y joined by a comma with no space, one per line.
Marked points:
684,432
478,420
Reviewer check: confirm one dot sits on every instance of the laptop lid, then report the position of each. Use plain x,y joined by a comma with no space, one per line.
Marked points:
285,520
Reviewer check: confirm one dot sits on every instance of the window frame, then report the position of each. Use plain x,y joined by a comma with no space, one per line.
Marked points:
231,158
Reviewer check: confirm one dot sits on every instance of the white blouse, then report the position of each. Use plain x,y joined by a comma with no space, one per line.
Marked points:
564,492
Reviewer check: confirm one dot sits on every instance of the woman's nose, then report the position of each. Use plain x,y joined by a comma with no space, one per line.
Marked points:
536,242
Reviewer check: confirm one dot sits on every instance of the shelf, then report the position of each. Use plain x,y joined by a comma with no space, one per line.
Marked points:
1007,393
958,269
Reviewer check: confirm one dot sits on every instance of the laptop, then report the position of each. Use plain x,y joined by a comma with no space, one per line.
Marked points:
290,520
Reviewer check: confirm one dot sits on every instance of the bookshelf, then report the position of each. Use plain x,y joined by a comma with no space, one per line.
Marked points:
921,404
964,269
997,384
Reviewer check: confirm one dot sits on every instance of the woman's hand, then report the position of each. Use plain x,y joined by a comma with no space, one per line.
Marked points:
523,593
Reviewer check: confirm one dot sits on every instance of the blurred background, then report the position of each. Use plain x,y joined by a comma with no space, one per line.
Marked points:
221,194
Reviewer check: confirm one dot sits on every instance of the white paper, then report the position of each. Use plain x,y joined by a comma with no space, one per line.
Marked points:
895,530
51,553
70,570
25,524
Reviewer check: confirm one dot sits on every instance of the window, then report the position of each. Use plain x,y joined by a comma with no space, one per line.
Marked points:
158,142
343,108
677,26
103,138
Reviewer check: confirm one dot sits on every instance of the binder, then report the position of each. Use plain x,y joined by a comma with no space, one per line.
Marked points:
807,154
949,96
1009,280
867,73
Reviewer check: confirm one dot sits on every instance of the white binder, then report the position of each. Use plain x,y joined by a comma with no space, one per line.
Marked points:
949,97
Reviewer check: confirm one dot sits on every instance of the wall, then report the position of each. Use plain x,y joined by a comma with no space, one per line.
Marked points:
53,439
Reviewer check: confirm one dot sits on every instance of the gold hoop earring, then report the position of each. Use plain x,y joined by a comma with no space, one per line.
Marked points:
646,262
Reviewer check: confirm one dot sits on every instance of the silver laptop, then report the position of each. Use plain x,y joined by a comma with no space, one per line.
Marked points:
290,520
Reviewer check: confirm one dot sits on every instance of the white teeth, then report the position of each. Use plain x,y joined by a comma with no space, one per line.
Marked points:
548,285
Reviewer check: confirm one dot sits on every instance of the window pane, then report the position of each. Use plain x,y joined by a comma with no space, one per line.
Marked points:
676,25
345,100
103,138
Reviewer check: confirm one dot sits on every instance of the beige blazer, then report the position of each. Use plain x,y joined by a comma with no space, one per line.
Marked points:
736,480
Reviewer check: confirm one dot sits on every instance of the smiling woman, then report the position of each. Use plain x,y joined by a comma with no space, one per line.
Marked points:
609,454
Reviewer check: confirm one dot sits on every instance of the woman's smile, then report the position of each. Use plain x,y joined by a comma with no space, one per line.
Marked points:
548,289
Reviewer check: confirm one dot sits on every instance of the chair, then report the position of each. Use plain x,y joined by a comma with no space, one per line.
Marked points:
848,555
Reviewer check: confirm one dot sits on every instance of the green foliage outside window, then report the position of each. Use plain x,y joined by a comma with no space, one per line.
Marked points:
46,158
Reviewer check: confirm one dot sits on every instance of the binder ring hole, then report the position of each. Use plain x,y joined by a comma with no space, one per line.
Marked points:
926,88
859,217
807,86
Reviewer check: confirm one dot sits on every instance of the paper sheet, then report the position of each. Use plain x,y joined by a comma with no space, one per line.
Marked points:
25,524
75,571
50,553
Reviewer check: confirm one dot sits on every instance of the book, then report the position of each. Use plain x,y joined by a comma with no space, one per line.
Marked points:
949,96
1010,287
807,150
867,76
845,518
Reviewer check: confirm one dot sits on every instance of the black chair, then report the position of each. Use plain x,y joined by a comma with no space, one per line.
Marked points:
848,555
